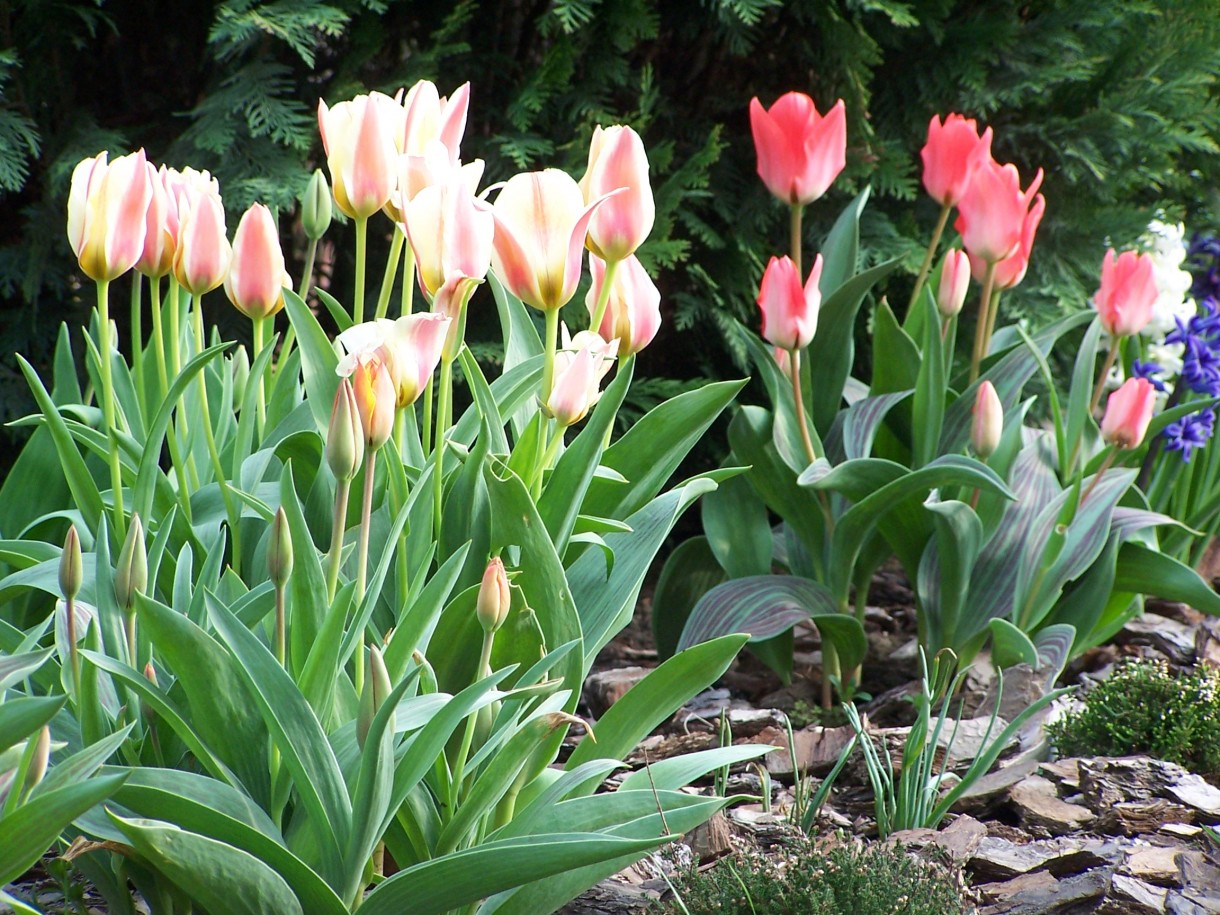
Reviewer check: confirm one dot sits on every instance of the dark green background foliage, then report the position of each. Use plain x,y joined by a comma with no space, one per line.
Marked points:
1116,101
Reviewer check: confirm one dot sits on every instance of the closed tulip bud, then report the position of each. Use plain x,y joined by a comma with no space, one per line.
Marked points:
992,212
987,423
257,277
1128,413
150,674
160,226
953,151
376,401
1011,270
345,436
1127,294
800,152
789,311
579,368
240,362
376,688
315,207
494,596
633,309
71,568
954,283
361,150
279,550
107,209
201,261
131,576
39,760
617,160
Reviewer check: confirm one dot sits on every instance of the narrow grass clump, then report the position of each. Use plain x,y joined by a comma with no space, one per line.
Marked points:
808,880
1144,708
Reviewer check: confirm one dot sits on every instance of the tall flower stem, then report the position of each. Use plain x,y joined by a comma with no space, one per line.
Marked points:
552,344
73,649
798,399
137,335
362,237
1111,357
108,410
129,630
158,333
981,339
459,764
795,239
232,510
281,640
175,352
603,298
444,393
259,341
334,558
391,273
362,558
408,280
930,256
992,313
1105,465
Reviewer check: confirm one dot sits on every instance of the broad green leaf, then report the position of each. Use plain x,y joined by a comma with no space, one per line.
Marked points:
945,572
864,418
760,606
1010,646
21,717
521,340
679,771
17,667
737,528
1147,571
318,360
690,571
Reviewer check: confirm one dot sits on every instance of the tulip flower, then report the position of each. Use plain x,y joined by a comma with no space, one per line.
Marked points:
633,313
1128,292
617,160
800,153
107,207
789,311
987,423
430,144
376,400
953,152
494,598
160,225
1128,413
1011,270
359,138
541,221
992,212
954,283
408,347
450,232
201,261
580,366
256,280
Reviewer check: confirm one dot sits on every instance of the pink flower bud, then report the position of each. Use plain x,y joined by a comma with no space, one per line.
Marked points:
1127,294
617,160
256,280
952,153
579,368
800,153
107,206
494,596
376,400
160,225
360,139
201,261
1128,413
992,213
789,312
1011,270
988,421
954,282
633,310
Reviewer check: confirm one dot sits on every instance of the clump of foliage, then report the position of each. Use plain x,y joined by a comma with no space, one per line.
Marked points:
1146,708
808,880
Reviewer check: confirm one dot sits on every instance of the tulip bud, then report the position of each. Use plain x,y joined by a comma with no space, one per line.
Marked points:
427,676
241,374
376,688
789,311
344,437
279,551
1128,293
494,596
954,282
256,278
376,401
71,570
633,304
150,674
38,762
315,206
106,213
579,368
953,151
131,576
617,162
1128,413
988,422
201,261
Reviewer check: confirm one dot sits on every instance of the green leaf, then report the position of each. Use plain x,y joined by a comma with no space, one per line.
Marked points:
1146,571
318,360
929,404
690,571
737,528
945,571
760,606
1010,646
21,717
679,771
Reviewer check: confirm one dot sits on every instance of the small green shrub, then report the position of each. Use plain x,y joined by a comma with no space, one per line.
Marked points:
807,880
1144,708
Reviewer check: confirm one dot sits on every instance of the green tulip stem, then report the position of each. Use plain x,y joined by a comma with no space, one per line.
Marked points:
548,458
158,334
259,341
281,641
232,510
362,561
443,396
1105,465
548,353
992,312
426,420
137,335
603,299
391,273
108,410
801,419
334,558
129,630
830,669
981,340
795,239
73,650
408,279
362,237
930,256
177,431
1111,356
459,764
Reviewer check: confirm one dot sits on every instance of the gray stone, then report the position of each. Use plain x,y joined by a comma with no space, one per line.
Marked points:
1038,805
606,687
1134,897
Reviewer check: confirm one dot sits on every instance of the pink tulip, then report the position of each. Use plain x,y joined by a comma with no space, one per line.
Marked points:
800,153
1128,413
953,151
992,213
359,138
201,261
633,310
954,282
450,231
617,160
580,365
256,280
1011,270
375,400
408,347
987,424
541,221
789,312
1128,292
160,226
495,599
106,214
430,144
